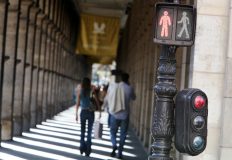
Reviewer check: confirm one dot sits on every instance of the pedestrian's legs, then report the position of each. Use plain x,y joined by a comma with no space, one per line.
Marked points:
109,115
123,134
89,136
83,122
114,123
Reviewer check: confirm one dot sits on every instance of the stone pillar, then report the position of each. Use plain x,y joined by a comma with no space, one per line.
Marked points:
28,69
144,69
50,60
40,84
207,70
152,59
47,73
55,93
59,69
19,77
9,70
44,60
54,53
38,72
50,73
35,67
3,23
226,137
61,77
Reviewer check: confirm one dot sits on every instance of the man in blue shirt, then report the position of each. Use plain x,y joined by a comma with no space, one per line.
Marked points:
125,93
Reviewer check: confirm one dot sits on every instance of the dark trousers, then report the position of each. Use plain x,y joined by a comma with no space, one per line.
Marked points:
85,116
114,125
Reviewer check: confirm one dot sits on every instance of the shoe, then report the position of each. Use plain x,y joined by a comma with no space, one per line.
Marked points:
81,151
87,154
113,154
119,156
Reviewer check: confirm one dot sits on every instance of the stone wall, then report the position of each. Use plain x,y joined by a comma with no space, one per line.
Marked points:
209,71
39,68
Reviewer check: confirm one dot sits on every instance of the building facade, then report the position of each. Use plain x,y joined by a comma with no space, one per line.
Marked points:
206,65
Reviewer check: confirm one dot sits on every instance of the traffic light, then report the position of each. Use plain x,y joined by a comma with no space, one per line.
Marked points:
174,24
191,114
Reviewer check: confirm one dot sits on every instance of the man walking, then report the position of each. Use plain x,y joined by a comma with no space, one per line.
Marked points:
119,97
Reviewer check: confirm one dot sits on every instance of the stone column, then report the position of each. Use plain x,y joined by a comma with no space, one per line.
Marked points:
20,70
45,70
28,69
3,22
207,67
55,93
47,73
150,79
226,137
19,77
59,69
50,73
40,84
9,69
53,85
38,71
35,67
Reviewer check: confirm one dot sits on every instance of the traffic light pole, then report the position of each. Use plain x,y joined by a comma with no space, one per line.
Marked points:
174,26
163,118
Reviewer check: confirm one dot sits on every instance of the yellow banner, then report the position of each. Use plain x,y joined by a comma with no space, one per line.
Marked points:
98,36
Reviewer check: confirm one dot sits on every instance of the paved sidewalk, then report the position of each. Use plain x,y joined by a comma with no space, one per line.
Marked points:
59,139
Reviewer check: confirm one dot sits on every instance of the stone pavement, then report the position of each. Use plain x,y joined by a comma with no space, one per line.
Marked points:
59,139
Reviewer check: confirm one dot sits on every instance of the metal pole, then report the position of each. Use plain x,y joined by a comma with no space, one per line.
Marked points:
163,120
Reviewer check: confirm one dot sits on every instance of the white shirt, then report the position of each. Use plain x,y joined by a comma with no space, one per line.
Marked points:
129,95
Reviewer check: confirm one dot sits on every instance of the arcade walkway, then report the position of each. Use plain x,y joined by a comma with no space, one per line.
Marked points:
59,137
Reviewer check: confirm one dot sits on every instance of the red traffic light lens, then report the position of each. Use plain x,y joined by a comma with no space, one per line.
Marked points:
199,102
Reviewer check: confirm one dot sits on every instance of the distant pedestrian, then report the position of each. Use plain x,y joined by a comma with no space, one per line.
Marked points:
74,95
105,103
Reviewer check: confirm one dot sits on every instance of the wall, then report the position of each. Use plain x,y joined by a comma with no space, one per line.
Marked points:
39,68
208,72
226,128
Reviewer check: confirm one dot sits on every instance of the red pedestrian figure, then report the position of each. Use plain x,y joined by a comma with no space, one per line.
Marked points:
165,21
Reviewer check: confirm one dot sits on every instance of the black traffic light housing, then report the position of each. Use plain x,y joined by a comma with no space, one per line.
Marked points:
174,24
191,114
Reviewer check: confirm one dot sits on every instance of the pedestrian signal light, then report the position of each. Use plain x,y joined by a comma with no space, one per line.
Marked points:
174,24
191,114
